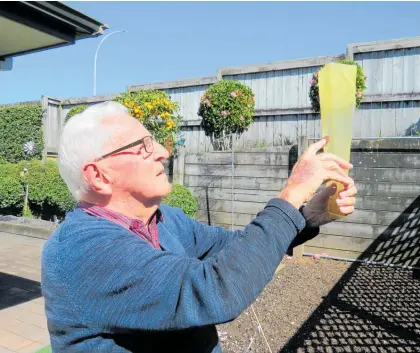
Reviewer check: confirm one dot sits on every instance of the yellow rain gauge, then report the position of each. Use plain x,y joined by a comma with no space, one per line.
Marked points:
337,95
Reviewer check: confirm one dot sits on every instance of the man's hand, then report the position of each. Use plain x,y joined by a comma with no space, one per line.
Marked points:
311,171
316,211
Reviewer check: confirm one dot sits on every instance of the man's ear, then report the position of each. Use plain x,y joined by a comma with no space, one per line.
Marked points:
97,179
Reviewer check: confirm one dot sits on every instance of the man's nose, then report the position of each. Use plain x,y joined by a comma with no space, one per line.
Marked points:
161,153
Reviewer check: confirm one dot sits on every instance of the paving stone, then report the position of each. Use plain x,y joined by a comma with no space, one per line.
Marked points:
12,341
29,331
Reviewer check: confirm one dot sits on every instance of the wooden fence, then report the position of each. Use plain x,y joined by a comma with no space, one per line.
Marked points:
259,174
383,228
391,106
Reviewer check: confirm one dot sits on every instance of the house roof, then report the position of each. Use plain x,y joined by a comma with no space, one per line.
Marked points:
29,26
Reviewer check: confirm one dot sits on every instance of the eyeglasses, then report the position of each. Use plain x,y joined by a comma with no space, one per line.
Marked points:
147,142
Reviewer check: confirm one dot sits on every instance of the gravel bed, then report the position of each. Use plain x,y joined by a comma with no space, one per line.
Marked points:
331,306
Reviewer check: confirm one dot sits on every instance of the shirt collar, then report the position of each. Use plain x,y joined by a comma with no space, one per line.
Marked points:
117,217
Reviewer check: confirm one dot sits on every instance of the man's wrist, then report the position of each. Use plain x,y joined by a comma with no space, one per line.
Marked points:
291,197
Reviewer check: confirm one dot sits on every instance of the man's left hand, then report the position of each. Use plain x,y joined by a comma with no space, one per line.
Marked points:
316,210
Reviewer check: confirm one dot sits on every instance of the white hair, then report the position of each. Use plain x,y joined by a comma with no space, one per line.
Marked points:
83,139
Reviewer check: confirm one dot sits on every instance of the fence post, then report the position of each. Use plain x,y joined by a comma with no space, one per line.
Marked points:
302,144
178,167
44,107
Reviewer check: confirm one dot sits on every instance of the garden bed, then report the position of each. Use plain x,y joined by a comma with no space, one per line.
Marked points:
31,227
285,304
331,306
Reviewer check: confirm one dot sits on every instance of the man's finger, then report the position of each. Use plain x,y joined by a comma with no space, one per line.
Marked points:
350,191
330,165
340,161
346,210
313,149
343,179
348,201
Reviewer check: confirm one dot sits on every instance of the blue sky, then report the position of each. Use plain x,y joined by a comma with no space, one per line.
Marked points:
177,40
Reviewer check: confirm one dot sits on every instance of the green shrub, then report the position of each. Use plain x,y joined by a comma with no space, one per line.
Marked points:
18,125
182,198
48,194
11,189
226,107
75,110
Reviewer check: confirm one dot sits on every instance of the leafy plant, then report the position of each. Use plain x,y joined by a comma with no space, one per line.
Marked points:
19,124
226,107
155,110
360,86
75,110
48,194
11,189
181,197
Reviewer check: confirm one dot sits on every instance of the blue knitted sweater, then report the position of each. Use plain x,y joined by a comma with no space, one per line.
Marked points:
107,290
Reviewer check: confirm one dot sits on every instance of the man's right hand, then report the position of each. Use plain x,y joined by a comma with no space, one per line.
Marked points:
311,171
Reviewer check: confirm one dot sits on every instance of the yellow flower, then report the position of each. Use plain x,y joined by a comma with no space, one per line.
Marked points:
165,115
148,105
170,124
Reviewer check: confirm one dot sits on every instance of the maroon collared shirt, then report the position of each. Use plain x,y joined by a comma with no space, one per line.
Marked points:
136,226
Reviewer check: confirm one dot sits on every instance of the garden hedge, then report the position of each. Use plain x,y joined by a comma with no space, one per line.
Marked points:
18,125
48,194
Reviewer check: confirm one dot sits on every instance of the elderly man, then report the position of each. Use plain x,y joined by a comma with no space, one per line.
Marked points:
124,273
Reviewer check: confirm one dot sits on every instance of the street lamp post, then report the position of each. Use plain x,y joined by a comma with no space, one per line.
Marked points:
96,57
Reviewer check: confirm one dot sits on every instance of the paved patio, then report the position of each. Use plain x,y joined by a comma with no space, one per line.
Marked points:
23,326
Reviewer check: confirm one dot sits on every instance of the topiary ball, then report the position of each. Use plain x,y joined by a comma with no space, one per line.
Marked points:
181,197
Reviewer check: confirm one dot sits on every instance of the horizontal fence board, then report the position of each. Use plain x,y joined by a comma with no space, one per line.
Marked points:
366,231
256,158
393,166
343,254
397,144
275,184
383,218
370,231
375,203
246,195
385,160
387,189
353,230
227,226
239,170
386,203
398,175
336,242
239,219
247,207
